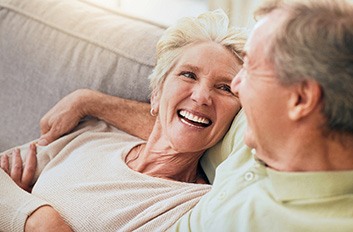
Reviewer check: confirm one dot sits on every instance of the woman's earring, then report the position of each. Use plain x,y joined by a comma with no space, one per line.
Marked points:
153,113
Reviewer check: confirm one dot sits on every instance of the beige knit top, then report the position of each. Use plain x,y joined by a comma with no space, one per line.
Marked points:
83,175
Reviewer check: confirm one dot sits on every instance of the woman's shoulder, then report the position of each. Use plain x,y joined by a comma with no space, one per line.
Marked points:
97,133
95,126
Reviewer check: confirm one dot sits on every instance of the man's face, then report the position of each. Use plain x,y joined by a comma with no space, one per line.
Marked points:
263,98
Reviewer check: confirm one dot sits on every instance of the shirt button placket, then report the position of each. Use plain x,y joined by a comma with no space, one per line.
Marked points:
249,176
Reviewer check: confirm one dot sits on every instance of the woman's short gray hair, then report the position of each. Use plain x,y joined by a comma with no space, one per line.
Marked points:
211,26
316,42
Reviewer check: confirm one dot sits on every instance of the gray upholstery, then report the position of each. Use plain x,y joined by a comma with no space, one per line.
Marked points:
48,48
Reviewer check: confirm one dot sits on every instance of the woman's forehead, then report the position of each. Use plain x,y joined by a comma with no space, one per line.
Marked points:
209,55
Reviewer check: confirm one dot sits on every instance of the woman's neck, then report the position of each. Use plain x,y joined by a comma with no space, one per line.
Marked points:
165,163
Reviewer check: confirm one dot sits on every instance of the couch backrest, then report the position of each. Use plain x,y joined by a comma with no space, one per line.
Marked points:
50,48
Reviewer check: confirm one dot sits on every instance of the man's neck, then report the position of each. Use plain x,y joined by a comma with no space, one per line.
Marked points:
313,153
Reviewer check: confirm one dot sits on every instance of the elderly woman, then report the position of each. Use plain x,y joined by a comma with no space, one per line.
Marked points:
101,179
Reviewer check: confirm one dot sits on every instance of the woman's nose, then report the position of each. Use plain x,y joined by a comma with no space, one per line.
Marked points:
202,95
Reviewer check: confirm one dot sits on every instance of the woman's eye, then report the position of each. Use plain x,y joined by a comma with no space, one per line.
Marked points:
188,75
225,88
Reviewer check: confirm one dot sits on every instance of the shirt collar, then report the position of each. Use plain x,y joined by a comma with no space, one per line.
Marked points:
308,185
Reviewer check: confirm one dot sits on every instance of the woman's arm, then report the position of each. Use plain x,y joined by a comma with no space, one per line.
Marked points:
127,115
22,211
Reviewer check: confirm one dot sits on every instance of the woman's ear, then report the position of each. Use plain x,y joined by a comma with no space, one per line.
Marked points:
304,99
155,98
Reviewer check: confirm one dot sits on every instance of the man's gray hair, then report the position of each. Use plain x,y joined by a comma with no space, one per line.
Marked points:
316,42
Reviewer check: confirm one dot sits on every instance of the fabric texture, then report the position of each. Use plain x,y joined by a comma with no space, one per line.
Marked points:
248,196
15,204
84,176
53,47
232,141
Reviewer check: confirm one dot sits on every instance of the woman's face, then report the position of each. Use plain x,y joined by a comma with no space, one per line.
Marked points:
196,105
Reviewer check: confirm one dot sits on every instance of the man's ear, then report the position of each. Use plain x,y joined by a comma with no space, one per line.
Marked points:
304,99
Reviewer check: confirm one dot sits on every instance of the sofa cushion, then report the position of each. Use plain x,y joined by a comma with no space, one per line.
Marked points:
50,48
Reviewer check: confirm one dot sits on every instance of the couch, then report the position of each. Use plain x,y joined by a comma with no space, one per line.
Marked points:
49,48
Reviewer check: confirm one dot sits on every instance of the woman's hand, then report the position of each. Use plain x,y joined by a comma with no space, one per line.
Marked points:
63,117
22,176
46,219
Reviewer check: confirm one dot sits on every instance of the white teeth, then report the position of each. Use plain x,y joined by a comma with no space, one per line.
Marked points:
194,118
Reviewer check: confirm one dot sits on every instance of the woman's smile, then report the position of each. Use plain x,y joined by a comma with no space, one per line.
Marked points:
194,120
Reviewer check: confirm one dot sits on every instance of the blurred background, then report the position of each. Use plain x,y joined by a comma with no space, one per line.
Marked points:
166,12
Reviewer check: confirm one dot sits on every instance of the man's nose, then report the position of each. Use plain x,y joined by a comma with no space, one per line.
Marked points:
235,82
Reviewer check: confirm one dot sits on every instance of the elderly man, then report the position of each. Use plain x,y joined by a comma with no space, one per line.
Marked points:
296,88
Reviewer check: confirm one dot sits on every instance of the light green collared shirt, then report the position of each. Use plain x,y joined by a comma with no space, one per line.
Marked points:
248,196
